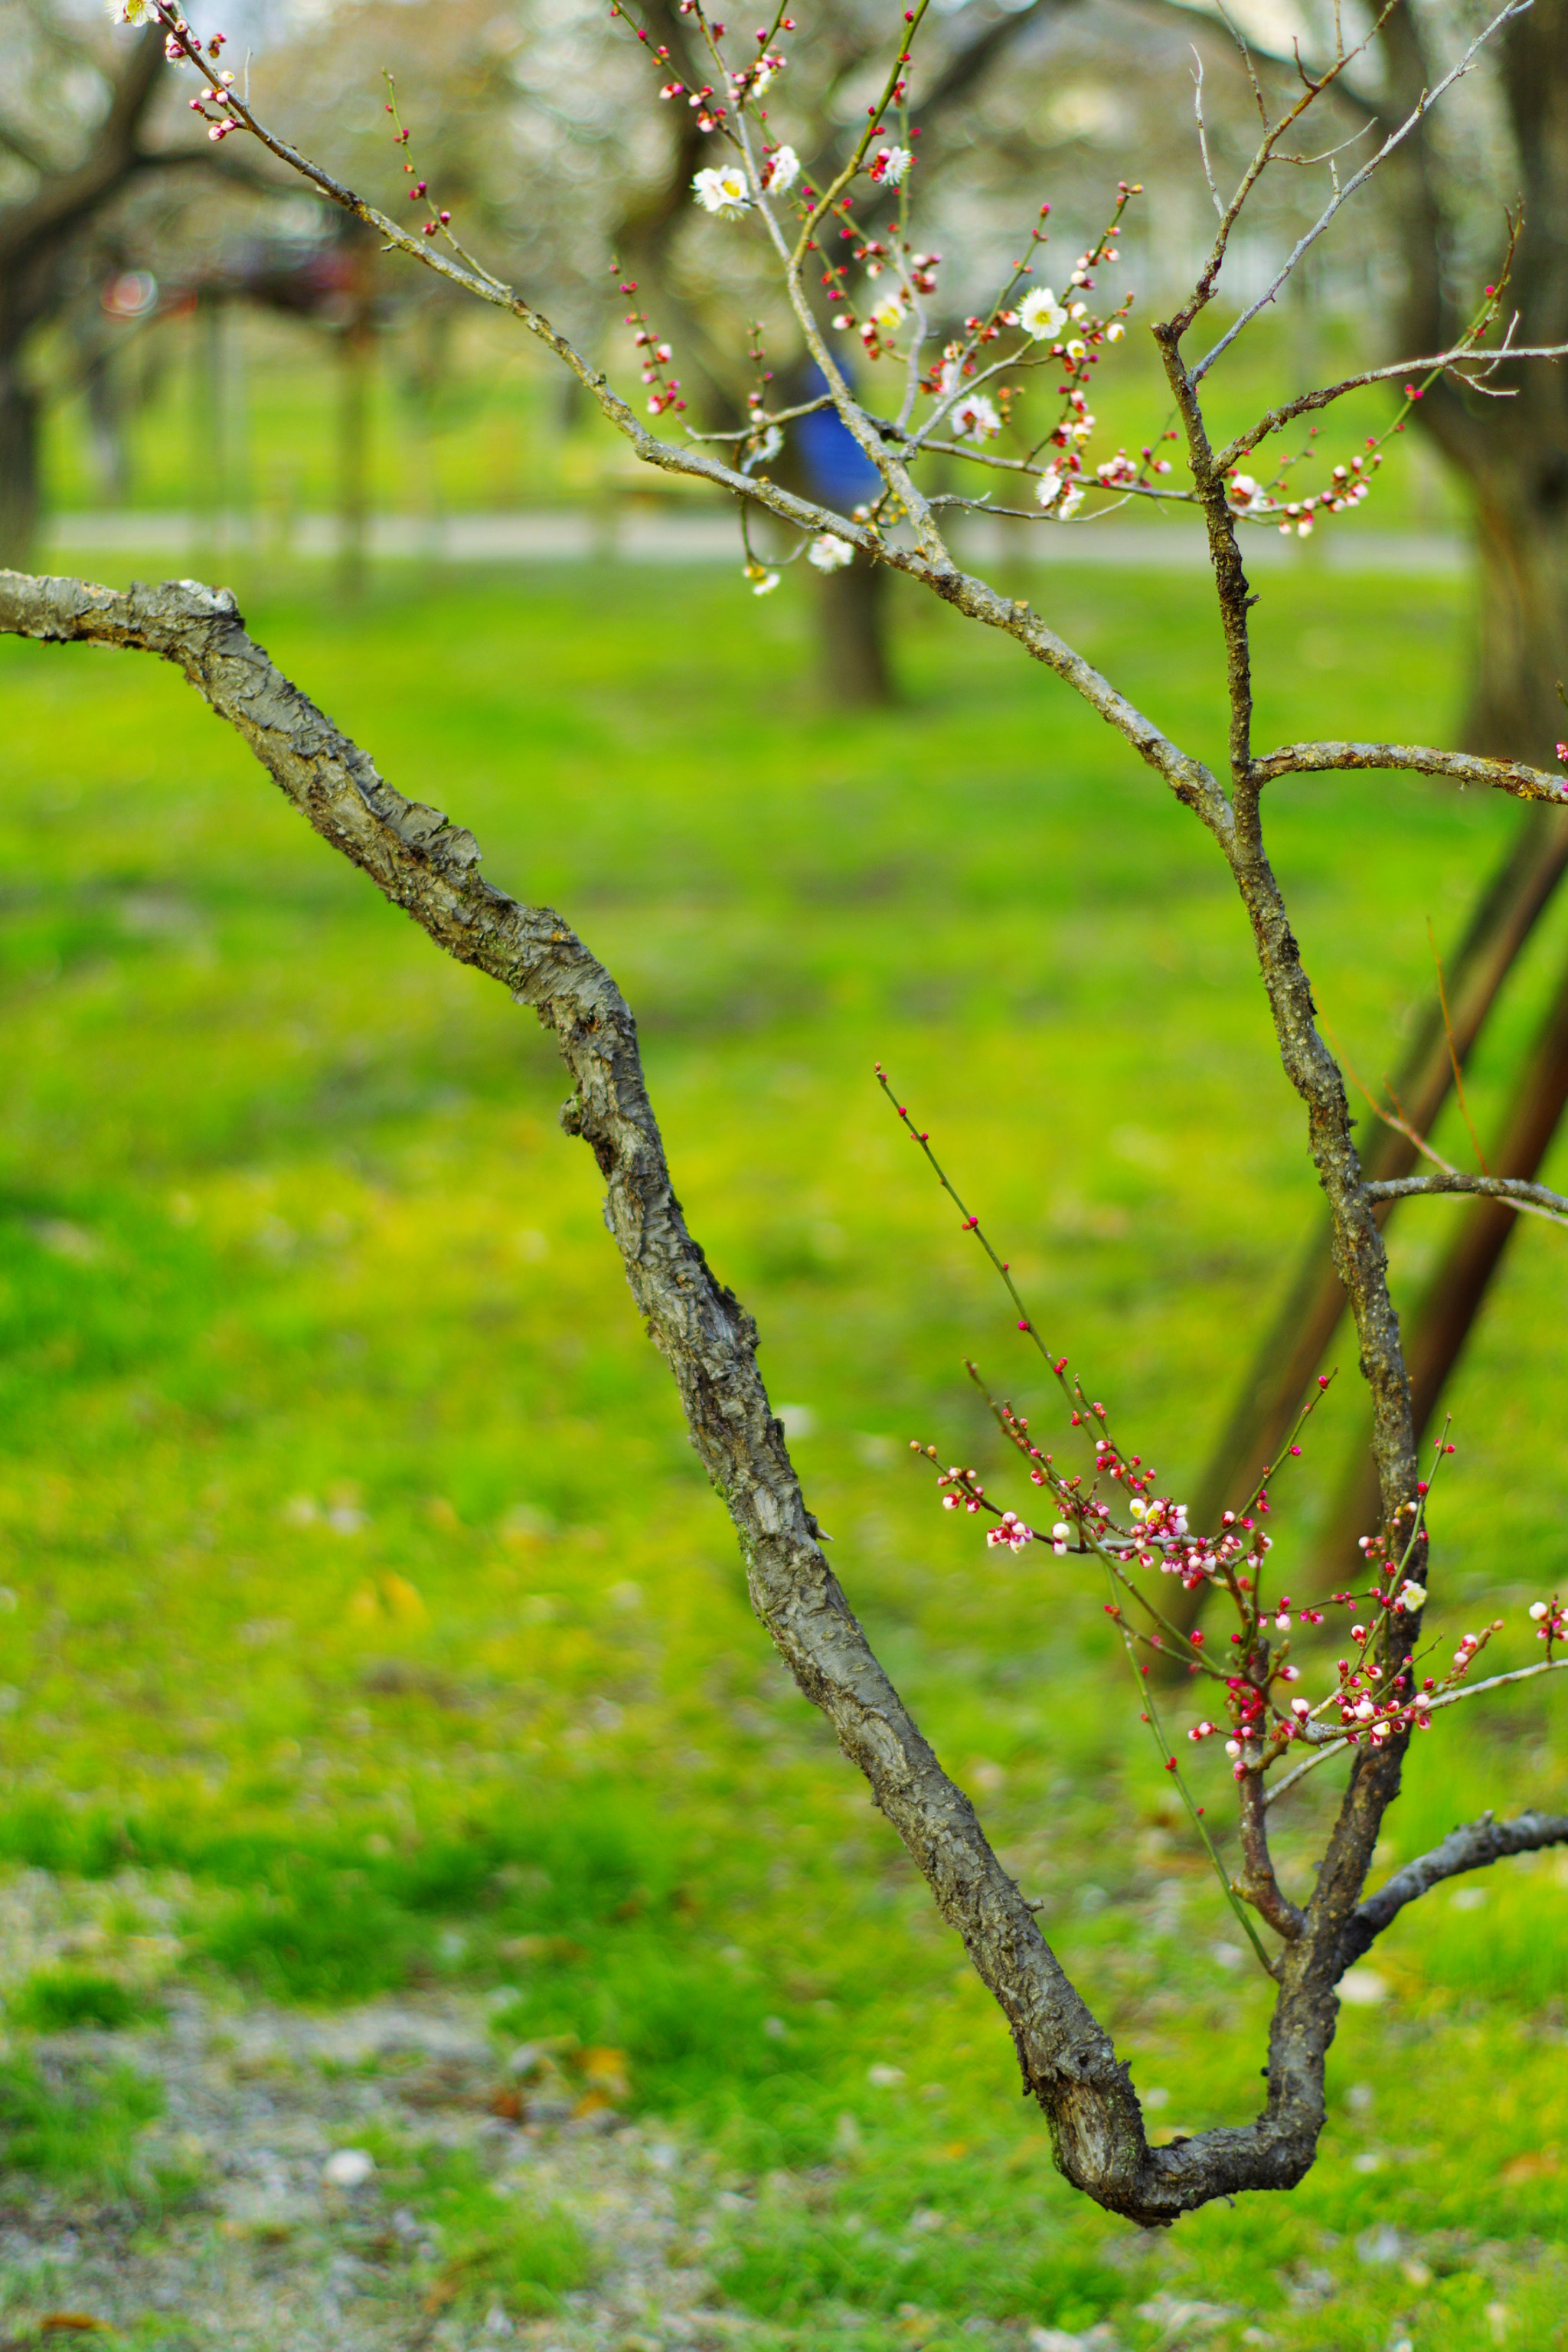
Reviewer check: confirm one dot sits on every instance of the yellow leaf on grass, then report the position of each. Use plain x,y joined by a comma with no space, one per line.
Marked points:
605,2071
403,1601
1537,2165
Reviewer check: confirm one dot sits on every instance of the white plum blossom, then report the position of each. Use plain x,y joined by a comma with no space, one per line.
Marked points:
1247,497
781,171
762,582
1050,486
975,417
1069,502
130,12
828,552
1412,1596
1115,331
890,166
1061,1536
888,313
721,189
1041,315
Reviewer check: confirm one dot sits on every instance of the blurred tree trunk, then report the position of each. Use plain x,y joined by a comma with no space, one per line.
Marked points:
1441,1325
1504,920
36,233
19,464
852,616
1512,453
354,351
356,360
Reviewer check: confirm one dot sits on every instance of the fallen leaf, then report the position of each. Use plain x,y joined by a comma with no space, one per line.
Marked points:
604,2071
1534,2166
403,1601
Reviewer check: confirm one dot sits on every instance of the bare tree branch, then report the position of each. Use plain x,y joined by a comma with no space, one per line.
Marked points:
1306,403
1417,759
1538,1197
1472,1848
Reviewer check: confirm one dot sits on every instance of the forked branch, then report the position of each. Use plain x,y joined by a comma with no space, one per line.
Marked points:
430,868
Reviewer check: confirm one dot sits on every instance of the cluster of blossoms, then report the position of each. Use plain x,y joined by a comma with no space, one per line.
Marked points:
1349,486
214,106
1121,1521
664,388
743,86
419,193
971,407
1551,1622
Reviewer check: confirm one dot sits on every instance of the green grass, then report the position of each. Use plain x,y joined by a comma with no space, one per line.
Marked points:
493,2247
78,2135
55,2000
367,1588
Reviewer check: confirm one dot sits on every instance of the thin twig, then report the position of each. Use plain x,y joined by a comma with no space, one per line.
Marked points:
1444,1698
1534,1199
1358,180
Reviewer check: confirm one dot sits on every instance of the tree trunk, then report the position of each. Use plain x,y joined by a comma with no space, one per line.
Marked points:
1521,541
852,615
1442,1324
18,465
354,458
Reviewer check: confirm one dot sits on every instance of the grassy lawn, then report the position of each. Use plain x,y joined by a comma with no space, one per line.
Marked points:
368,1595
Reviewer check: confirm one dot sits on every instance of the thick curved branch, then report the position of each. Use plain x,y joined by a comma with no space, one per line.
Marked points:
1416,758
1539,1197
1470,1848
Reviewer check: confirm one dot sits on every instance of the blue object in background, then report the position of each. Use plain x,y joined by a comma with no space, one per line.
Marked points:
838,471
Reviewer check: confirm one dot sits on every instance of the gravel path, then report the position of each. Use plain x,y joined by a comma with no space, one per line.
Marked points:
266,2251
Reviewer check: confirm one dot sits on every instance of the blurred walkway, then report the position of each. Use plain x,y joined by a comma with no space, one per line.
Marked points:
634,534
